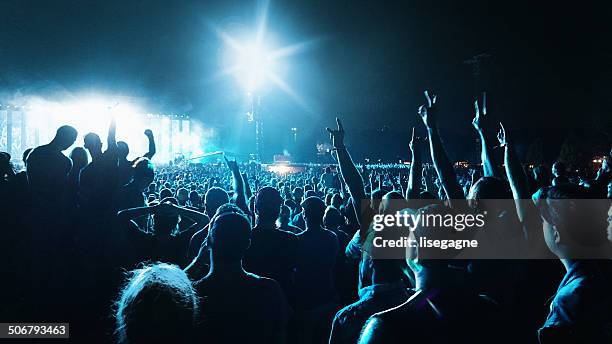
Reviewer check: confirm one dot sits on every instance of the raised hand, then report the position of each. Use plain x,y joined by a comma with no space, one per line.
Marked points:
480,120
148,132
337,135
428,111
232,165
501,135
411,144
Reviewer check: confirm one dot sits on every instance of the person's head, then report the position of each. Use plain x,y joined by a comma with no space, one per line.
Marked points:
486,194
428,260
164,193
144,173
559,169
573,224
332,219
182,196
6,167
93,144
157,304
298,193
24,157
328,198
122,150
152,188
195,199
267,204
336,201
314,209
376,198
79,158
165,224
285,215
391,202
64,137
229,237
328,169
310,193
214,198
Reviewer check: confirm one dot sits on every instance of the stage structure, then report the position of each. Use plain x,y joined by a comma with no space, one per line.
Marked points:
176,135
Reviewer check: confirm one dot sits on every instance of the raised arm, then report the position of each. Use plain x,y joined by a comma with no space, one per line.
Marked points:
152,149
525,209
111,139
128,216
414,182
247,187
480,124
199,219
238,184
349,172
441,163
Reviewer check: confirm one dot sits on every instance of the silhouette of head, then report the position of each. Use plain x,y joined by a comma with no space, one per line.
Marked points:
332,219
122,150
182,195
64,137
143,173
229,237
79,157
157,304
195,199
559,169
336,201
314,209
267,204
214,198
26,152
93,144
285,215
571,221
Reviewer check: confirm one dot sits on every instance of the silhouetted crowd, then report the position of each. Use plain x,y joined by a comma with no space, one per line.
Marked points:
232,253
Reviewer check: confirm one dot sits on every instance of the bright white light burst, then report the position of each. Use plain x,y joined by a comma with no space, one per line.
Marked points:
253,63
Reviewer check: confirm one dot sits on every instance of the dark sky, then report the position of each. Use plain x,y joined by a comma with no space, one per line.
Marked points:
549,64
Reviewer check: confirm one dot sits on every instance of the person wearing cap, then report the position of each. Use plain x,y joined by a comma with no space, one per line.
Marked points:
241,307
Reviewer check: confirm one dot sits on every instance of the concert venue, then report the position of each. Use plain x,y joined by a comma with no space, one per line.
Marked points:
267,171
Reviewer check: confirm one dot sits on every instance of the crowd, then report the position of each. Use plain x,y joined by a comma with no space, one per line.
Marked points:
232,253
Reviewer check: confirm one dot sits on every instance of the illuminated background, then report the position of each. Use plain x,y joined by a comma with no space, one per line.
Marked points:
547,72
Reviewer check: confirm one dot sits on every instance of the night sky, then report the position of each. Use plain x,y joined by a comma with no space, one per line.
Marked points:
549,68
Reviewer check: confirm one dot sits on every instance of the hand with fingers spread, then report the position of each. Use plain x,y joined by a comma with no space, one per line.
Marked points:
481,119
232,165
428,111
337,135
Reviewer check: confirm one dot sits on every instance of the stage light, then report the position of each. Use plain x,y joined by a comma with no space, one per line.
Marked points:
175,135
253,66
